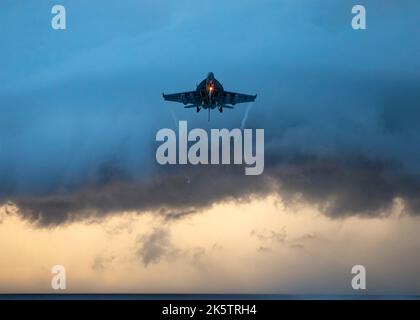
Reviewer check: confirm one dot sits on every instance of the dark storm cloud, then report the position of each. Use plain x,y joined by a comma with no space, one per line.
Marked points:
340,108
338,187
175,215
171,196
348,186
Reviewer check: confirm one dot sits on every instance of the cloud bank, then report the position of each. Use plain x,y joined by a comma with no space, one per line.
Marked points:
339,107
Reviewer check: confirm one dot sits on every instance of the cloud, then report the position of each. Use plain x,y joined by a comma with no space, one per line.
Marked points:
171,196
157,245
198,257
298,246
154,246
348,187
339,188
264,249
268,239
100,263
77,140
270,235
175,215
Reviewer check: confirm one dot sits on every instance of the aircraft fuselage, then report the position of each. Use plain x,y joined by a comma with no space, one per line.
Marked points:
210,90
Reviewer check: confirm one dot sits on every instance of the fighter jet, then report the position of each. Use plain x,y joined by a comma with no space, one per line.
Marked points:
209,94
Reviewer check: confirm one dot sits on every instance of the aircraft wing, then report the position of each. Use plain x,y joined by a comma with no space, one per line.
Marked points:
234,98
190,97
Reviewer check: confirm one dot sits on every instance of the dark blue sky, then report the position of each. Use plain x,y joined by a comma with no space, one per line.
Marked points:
81,107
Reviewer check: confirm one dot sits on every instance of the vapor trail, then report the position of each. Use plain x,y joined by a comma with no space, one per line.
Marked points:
174,117
246,115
